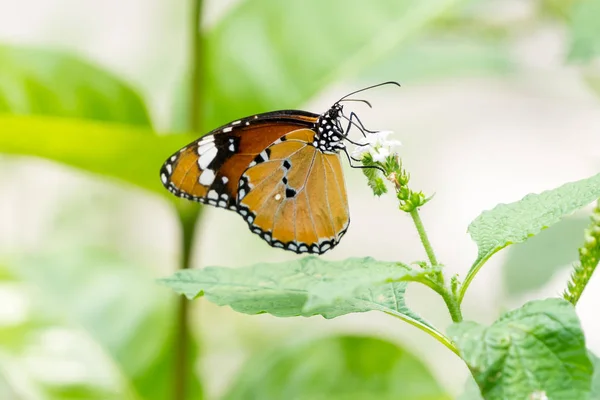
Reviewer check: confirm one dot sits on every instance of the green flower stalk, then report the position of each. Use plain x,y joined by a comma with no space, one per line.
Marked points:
589,256
375,151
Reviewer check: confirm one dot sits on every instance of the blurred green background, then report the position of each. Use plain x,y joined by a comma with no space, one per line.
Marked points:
499,98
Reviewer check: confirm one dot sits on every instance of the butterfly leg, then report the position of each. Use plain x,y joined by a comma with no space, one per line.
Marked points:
350,159
354,120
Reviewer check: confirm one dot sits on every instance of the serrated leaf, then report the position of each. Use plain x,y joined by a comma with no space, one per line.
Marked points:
513,223
131,154
304,287
585,30
48,82
538,349
266,55
336,368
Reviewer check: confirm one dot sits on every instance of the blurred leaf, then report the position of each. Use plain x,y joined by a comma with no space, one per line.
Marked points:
560,9
336,368
516,222
532,264
131,154
266,55
305,287
596,377
45,82
538,349
439,57
121,308
585,30
471,391
591,76
40,358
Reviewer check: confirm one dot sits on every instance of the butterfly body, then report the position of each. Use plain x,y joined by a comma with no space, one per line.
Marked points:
279,170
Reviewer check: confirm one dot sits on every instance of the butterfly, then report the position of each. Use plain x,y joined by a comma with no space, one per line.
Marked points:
279,170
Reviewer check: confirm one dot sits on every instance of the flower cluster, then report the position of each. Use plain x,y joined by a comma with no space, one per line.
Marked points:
377,145
375,151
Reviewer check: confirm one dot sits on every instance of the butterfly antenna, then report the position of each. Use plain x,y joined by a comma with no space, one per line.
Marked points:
362,101
368,88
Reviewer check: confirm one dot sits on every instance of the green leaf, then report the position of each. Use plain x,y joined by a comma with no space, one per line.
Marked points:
534,350
516,222
585,30
44,82
130,154
336,368
267,55
544,255
120,307
445,56
595,393
306,287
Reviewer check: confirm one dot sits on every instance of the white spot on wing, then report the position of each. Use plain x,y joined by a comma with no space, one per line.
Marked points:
224,179
213,195
277,197
163,178
235,122
207,177
231,147
228,129
207,157
169,168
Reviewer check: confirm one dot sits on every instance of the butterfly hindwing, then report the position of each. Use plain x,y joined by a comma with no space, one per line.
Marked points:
293,195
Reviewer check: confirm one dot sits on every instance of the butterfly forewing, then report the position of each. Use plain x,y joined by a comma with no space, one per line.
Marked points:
209,169
294,195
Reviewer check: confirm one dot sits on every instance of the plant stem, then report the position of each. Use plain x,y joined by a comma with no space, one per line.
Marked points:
188,213
423,235
432,332
452,304
195,99
188,216
449,298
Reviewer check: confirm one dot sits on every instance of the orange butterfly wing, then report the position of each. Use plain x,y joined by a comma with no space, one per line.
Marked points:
209,169
294,196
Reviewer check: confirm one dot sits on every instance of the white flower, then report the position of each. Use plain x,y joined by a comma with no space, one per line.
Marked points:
376,144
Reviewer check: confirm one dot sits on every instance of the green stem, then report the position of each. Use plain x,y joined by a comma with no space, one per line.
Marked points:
452,304
449,298
469,278
432,332
423,235
188,218
188,213
195,100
